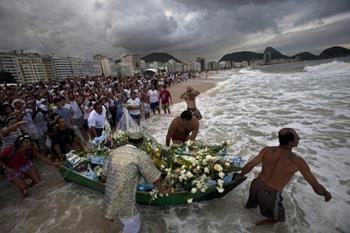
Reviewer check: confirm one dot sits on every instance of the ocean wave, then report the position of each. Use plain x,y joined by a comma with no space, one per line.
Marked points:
334,67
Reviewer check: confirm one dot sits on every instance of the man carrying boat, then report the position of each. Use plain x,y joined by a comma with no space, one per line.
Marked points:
182,128
278,166
124,168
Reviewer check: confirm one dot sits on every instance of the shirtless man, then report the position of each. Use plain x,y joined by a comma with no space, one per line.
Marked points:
181,127
190,97
278,166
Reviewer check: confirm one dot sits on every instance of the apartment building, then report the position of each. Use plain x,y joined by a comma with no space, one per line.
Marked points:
9,63
32,67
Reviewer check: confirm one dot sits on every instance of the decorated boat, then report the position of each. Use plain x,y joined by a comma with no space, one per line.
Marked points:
194,171
145,197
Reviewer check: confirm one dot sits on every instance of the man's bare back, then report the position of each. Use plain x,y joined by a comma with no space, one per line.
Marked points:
190,97
279,164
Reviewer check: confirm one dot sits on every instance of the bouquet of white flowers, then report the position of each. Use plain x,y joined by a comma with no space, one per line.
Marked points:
191,166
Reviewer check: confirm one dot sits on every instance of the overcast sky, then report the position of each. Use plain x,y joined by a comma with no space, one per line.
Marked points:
183,28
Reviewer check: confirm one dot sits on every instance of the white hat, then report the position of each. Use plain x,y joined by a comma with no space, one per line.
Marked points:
135,135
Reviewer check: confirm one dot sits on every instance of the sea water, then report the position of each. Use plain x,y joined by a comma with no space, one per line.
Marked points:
248,107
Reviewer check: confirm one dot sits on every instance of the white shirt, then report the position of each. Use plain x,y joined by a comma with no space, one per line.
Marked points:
97,120
137,102
75,109
153,96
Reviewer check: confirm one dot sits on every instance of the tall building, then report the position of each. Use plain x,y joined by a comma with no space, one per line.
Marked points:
62,67
201,61
131,64
32,67
77,66
9,63
91,67
104,63
267,57
49,68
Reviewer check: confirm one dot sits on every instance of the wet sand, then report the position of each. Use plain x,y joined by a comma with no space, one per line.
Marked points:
199,84
56,206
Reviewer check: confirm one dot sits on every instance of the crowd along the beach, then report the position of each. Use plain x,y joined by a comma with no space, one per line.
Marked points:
60,116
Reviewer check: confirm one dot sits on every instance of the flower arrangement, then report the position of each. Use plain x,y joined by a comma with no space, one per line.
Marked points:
191,166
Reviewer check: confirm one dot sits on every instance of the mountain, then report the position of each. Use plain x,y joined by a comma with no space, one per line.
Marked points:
159,57
250,56
274,53
304,56
335,51
242,56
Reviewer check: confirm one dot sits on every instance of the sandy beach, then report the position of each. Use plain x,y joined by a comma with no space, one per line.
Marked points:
199,84
58,206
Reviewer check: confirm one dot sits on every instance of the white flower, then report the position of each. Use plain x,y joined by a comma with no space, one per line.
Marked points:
189,200
220,190
221,174
206,170
217,167
203,190
189,174
220,182
193,190
162,166
227,164
198,168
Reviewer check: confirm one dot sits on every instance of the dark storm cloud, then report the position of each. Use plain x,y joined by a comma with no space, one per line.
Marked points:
185,28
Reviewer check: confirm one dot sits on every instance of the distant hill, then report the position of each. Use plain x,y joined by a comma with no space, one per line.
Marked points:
274,53
335,51
331,52
305,56
159,57
242,56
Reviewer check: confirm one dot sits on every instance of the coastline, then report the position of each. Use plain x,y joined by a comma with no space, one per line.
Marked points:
200,84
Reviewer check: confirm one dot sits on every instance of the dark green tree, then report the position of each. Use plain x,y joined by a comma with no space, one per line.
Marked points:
6,77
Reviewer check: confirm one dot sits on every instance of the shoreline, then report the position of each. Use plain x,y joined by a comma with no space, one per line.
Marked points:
200,84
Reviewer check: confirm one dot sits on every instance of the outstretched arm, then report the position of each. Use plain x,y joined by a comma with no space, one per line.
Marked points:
45,159
250,165
170,133
311,179
195,130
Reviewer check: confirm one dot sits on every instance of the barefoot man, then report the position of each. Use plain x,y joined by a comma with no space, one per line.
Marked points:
190,97
278,166
181,127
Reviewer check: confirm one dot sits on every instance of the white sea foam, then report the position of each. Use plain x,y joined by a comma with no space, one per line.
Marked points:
249,108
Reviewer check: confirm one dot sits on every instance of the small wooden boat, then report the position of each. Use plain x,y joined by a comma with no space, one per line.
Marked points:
144,197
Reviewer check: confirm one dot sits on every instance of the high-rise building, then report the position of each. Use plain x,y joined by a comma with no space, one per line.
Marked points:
267,57
77,66
201,61
62,67
49,68
104,63
9,63
32,67
132,62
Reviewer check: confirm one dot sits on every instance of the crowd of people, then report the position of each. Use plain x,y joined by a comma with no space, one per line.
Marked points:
57,117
